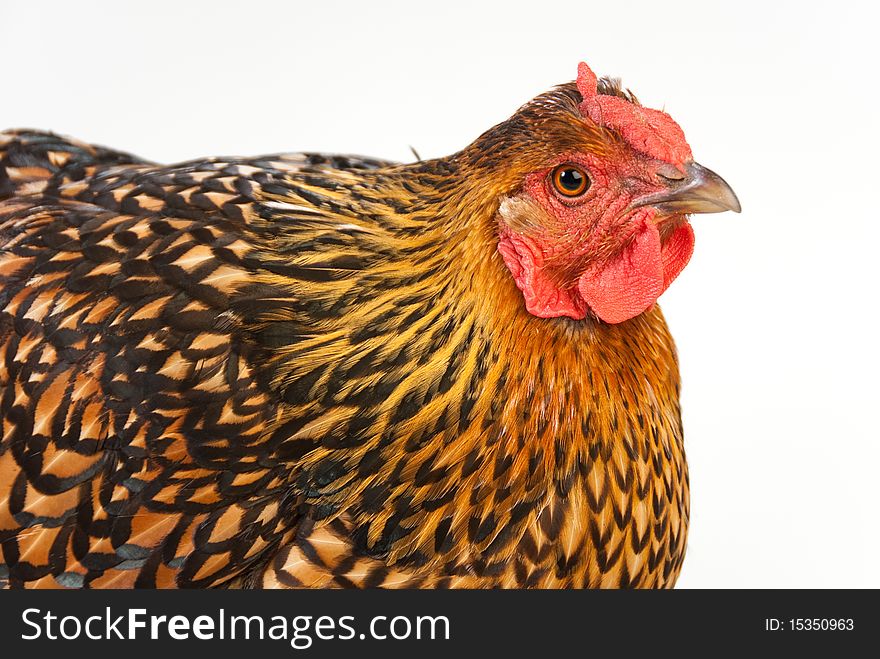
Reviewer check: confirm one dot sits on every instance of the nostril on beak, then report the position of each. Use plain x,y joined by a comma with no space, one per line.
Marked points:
670,173
697,190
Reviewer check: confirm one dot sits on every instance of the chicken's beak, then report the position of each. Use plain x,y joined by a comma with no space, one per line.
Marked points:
696,190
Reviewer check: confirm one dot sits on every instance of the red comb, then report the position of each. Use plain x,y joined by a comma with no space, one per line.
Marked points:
648,131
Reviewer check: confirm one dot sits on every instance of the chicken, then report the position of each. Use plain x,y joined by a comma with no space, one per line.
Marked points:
320,371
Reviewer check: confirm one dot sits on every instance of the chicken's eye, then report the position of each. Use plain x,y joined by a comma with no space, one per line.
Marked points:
570,181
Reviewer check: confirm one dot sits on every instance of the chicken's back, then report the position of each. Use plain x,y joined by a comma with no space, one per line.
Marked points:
133,422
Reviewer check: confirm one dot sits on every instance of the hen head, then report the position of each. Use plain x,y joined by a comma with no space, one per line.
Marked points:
594,218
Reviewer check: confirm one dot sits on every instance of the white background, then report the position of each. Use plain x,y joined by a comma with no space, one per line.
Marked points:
776,316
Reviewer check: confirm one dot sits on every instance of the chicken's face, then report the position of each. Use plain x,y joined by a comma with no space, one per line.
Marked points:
598,223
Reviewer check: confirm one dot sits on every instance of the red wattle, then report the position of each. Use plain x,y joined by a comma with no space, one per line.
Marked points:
676,253
615,291
631,283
